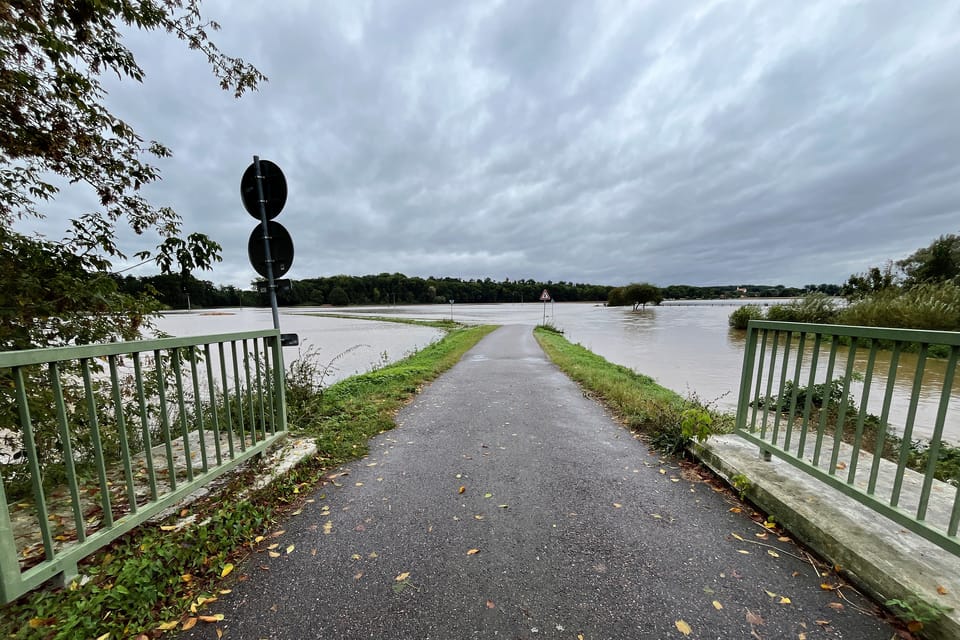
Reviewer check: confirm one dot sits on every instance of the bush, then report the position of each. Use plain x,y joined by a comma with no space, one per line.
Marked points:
926,306
739,318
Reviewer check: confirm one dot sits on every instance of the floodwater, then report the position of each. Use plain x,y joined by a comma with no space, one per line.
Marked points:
685,346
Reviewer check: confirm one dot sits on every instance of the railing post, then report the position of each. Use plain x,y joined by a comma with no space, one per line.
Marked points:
9,566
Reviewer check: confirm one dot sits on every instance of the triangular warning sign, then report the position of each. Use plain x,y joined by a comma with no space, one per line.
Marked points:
545,296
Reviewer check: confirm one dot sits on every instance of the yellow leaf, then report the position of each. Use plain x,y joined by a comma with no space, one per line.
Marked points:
355,556
227,568
770,593
717,605
773,553
224,592
662,471
273,554
461,489
167,626
735,510
290,549
942,590
784,600
217,617
478,517
104,636
327,527
743,551
617,505
186,577
737,537
683,627
274,545
168,527
473,552
358,575
188,624
219,633
914,626
826,586
403,576
373,555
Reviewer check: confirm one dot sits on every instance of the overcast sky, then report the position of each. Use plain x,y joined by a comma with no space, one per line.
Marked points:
768,142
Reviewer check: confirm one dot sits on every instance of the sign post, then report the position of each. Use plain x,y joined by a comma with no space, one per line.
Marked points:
263,189
544,298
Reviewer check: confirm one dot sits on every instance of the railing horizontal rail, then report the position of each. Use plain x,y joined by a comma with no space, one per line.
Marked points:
841,403
96,439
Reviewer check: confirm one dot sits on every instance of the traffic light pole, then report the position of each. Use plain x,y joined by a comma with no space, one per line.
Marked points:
271,284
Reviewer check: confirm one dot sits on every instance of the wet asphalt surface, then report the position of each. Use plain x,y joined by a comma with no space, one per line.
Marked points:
566,527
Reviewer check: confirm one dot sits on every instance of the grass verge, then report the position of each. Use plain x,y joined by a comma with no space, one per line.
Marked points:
668,420
156,577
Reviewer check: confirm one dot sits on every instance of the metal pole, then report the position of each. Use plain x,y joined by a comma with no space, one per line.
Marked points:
266,245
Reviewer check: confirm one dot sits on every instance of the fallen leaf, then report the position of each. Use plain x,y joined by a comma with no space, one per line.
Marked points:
490,604
274,545
224,592
478,517
942,590
826,586
735,510
355,556
836,605
683,627
914,626
258,539
186,578
717,605
753,618
290,549
227,568
784,539
403,576
168,527
167,626
373,554
473,552
502,506
617,505
784,600
488,495
663,472
737,537
188,624
219,633
773,553
461,489
770,593
273,554
743,551
358,575
105,636
217,617
327,527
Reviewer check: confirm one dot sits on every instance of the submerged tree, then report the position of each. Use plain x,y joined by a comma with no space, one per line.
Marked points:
54,126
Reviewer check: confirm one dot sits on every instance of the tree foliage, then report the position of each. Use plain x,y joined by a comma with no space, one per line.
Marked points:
55,128
636,294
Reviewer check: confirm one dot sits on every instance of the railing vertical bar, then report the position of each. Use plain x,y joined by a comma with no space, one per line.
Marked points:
908,425
933,453
67,448
862,414
182,412
841,425
239,394
214,407
165,419
247,380
787,342
10,583
122,433
97,445
269,381
280,383
770,376
759,385
796,388
746,374
808,402
257,367
145,426
825,406
198,409
33,461
227,412
884,416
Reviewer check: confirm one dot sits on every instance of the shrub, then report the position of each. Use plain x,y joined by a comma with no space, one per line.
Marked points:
739,318
934,306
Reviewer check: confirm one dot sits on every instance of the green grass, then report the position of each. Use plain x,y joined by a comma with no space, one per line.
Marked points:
640,403
151,576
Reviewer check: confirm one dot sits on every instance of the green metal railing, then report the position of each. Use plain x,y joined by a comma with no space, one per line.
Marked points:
841,403
96,439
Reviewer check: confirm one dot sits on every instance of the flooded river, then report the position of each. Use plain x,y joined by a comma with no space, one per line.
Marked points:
687,347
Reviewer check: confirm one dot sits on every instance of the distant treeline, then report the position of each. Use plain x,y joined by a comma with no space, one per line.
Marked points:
396,288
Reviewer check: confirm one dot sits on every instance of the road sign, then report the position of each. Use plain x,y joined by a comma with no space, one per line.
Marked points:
281,249
545,296
274,189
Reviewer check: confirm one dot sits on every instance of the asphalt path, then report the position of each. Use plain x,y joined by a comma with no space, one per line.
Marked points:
506,504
